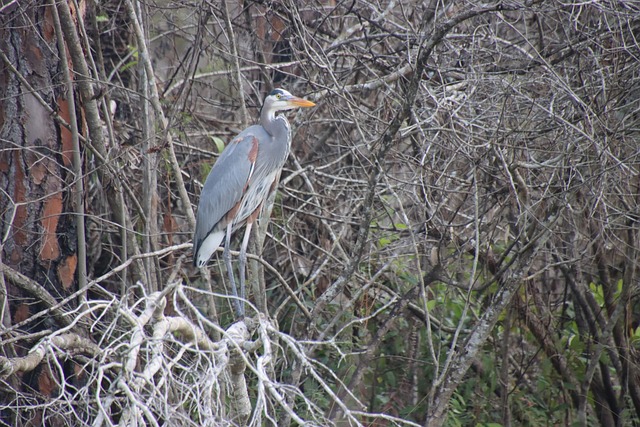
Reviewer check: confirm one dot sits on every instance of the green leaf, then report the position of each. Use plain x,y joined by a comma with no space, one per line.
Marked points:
619,287
383,242
219,143
598,293
128,65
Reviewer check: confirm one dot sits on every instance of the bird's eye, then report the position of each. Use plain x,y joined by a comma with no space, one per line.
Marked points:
278,96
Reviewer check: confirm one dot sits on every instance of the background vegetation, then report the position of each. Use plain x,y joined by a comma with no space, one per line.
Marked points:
455,239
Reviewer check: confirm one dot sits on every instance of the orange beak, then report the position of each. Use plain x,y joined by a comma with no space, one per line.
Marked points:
299,102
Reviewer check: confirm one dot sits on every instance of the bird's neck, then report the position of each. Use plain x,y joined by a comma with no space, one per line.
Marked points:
276,126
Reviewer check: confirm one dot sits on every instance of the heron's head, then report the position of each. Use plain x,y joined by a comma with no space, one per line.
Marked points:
280,100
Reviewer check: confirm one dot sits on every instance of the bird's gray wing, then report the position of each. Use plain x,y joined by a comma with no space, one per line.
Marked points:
225,184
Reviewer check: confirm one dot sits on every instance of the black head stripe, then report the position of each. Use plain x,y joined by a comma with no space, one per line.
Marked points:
276,91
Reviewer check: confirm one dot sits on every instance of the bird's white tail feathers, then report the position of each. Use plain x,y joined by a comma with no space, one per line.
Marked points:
209,246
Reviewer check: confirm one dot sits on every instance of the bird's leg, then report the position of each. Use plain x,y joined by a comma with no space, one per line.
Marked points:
238,307
243,260
243,250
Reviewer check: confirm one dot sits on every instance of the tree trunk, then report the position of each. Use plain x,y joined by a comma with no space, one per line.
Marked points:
38,231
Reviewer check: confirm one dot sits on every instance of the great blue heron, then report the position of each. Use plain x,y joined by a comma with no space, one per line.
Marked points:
240,181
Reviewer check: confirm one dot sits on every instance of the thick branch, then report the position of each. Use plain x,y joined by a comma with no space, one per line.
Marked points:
66,342
37,291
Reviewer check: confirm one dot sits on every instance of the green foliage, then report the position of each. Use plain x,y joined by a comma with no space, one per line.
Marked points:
388,238
219,144
635,337
205,168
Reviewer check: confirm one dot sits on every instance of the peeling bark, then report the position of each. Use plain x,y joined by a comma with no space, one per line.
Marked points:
34,168
38,233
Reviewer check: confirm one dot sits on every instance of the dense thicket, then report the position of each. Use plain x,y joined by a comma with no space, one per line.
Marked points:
454,240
